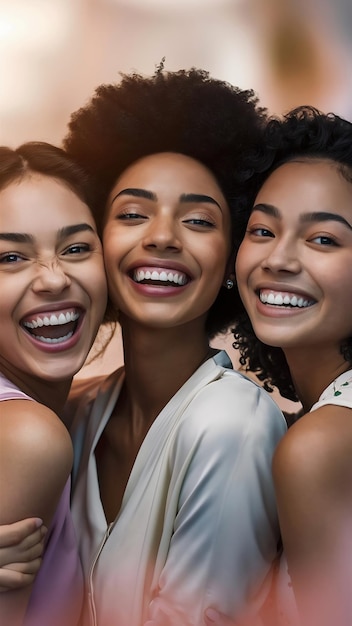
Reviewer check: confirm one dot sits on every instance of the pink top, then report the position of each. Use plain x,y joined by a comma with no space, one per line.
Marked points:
57,593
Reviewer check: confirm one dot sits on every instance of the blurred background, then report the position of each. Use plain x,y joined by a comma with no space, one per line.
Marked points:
53,53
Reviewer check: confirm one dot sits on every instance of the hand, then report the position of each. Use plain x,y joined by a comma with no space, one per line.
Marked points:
21,548
214,618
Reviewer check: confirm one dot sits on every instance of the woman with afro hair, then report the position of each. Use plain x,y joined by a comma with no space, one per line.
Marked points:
172,491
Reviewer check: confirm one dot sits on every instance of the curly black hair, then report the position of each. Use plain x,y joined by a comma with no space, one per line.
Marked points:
305,134
187,112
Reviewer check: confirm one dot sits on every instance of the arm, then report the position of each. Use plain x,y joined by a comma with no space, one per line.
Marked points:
313,476
35,461
21,548
225,529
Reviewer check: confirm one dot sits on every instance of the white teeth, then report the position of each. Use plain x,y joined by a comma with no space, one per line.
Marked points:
278,300
53,320
56,339
163,276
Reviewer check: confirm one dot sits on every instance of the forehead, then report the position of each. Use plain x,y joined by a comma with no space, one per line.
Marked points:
313,184
37,200
178,170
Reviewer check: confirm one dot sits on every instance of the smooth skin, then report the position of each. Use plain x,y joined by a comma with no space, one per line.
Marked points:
50,263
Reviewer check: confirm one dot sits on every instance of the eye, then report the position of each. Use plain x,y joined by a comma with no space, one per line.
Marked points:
201,222
11,258
259,231
77,248
324,240
131,216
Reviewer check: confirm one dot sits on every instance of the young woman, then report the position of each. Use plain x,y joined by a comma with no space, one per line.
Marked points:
172,490
53,296
172,495
294,272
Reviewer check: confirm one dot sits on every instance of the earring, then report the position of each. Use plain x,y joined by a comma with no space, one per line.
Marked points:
229,283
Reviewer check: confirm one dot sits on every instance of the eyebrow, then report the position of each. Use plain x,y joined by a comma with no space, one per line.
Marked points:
324,216
137,193
149,195
268,209
198,197
67,231
317,216
17,237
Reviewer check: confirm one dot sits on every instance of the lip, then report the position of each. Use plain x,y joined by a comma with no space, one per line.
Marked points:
47,311
161,264
157,291
271,310
284,289
161,290
56,347
49,308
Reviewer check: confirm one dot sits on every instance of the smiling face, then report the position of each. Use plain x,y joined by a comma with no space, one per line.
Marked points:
166,241
294,267
52,282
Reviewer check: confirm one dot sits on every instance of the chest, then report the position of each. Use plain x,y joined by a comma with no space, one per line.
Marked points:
115,455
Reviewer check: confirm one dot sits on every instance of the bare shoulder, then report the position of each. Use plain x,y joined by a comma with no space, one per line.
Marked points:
35,461
26,422
318,447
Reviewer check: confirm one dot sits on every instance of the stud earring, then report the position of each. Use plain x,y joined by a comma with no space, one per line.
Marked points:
229,283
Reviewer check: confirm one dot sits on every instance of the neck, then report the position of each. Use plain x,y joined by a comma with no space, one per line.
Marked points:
313,370
158,362
52,394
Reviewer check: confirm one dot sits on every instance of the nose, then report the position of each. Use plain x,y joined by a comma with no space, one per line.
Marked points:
50,278
282,256
162,233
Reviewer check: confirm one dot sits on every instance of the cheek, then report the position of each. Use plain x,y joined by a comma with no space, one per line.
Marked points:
241,265
115,244
249,257
215,254
96,283
13,294
341,290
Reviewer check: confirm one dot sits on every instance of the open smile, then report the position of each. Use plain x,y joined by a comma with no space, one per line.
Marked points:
284,299
53,328
161,277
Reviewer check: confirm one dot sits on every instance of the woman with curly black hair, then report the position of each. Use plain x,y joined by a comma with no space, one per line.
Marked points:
294,273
